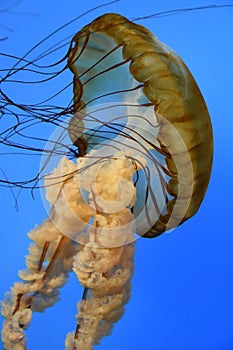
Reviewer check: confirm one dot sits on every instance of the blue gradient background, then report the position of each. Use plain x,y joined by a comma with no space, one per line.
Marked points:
182,293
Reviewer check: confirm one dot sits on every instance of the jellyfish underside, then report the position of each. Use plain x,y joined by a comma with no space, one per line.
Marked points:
145,144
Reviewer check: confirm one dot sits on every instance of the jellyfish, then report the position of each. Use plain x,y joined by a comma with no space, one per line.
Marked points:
141,134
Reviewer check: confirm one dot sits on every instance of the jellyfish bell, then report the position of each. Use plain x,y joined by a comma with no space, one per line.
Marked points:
113,57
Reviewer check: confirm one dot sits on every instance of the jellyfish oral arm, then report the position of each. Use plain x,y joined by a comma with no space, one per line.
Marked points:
100,254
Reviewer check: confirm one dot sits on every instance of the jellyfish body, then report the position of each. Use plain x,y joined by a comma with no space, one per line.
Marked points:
144,138
145,72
